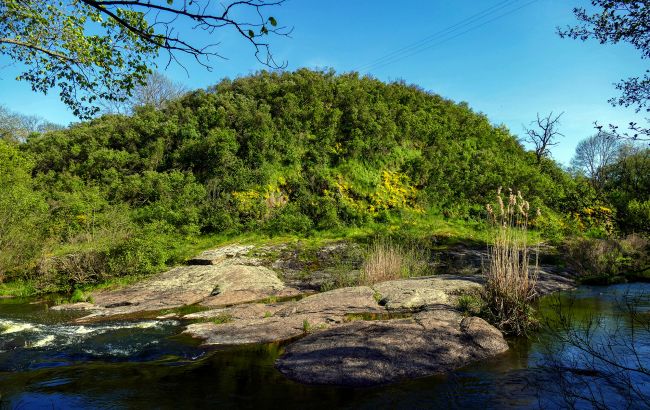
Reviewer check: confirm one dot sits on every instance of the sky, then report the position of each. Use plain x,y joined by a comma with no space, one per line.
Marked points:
502,57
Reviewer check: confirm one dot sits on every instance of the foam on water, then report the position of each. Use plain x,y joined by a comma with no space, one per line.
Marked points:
9,326
112,351
148,325
46,341
63,334
83,330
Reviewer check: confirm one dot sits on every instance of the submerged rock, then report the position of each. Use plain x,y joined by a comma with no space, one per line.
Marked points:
75,306
253,331
368,353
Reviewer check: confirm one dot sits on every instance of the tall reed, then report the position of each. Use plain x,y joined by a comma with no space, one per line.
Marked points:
510,286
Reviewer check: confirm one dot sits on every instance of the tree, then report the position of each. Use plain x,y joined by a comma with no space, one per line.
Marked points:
93,50
544,135
628,187
594,155
16,127
157,90
615,22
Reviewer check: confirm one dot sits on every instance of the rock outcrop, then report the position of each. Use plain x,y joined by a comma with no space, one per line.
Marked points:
220,277
366,353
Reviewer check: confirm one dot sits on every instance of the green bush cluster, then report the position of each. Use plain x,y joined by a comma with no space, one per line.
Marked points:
604,261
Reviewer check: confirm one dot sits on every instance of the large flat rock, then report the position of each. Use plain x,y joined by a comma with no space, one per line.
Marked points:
420,293
337,302
187,285
443,290
368,353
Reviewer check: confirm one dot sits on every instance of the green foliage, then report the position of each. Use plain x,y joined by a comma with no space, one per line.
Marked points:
638,215
289,220
628,188
79,296
102,51
51,41
22,211
337,150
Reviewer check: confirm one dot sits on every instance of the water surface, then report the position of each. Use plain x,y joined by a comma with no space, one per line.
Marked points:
47,362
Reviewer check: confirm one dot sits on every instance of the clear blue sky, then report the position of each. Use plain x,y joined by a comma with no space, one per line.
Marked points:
509,64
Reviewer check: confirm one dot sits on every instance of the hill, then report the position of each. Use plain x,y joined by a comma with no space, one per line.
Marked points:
272,153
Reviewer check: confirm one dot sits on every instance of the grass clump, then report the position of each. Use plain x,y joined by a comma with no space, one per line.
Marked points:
222,318
80,296
470,304
387,260
510,286
306,326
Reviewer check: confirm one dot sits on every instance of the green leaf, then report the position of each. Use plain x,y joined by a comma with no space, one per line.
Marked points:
273,21
251,34
170,2
264,30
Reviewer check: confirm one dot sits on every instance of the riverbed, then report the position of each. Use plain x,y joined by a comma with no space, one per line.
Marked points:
48,362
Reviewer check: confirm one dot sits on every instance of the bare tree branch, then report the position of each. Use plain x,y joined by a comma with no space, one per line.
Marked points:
544,134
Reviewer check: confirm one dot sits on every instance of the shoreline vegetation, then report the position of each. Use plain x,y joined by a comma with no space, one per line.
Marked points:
303,158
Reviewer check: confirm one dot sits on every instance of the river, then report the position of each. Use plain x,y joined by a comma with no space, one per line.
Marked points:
47,362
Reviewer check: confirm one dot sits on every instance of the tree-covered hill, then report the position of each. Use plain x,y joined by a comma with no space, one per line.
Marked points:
273,152
325,149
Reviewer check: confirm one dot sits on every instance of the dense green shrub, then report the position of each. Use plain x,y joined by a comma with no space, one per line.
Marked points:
289,220
141,255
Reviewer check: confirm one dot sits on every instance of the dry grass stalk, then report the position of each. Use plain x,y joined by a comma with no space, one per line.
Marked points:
384,262
510,286
389,261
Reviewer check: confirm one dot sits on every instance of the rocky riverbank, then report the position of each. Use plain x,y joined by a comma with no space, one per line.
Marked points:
361,335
